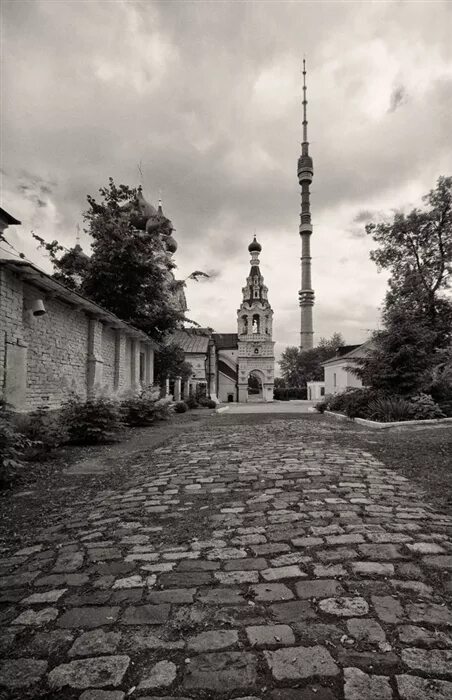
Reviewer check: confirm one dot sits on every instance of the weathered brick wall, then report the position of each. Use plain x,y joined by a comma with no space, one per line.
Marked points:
108,357
11,304
57,352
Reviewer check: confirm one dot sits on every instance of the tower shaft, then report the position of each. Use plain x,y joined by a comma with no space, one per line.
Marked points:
305,175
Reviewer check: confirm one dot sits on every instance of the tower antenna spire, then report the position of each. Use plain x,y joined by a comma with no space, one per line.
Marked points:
305,102
305,175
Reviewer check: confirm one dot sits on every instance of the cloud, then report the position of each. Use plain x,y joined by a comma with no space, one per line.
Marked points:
207,97
398,98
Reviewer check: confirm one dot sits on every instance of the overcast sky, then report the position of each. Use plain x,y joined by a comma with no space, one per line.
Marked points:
206,98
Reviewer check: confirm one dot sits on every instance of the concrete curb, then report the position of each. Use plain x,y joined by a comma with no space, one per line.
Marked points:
399,425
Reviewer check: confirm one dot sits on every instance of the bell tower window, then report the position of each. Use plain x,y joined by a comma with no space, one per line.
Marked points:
256,323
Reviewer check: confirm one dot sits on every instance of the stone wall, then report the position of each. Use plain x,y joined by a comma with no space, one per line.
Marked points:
45,358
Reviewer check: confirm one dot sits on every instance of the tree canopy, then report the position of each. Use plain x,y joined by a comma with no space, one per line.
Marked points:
129,269
416,249
301,366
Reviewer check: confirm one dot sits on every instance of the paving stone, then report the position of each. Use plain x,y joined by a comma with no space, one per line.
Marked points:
68,562
187,579
220,596
415,688
50,643
326,588
174,595
282,572
344,607
162,675
102,695
145,615
383,663
289,559
212,640
255,564
425,548
431,613
221,672
366,630
129,582
385,552
307,541
62,580
21,673
329,570
199,565
271,591
292,611
236,577
418,587
261,636
91,616
36,618
296,663
443,562
150,640
312,692
411,634
95,643
227,553
388,609
318,632
96,672
361,686
370,568
47,597
429,660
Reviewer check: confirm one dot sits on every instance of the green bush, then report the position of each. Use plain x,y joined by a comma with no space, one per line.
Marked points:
96,421
12,446
391,409
180,407
425,408
142,409
353,403
191,402
42,427
290,393
206,402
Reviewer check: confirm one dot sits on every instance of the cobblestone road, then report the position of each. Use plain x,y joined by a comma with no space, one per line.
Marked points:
259,562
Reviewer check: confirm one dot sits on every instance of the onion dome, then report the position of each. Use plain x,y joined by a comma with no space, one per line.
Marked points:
254,246
171,244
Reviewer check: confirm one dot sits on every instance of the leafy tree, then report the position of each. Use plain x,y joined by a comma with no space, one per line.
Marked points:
301,366
169,362
129,270
417,250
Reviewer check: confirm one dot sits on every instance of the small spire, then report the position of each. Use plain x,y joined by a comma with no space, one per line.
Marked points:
160,209
77,235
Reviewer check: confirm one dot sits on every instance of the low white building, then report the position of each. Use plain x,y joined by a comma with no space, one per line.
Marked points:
315,391
337,372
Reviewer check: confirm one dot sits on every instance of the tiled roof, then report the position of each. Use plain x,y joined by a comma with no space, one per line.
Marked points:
191,341
224,341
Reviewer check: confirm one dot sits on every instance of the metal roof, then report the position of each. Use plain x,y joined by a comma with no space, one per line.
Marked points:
8,217
191,340
40,279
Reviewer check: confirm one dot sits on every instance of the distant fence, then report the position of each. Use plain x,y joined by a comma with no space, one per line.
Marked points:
294,392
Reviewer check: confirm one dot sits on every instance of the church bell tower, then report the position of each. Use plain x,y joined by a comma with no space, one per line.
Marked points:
255,328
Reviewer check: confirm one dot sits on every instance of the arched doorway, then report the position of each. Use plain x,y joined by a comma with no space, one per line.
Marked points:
255,386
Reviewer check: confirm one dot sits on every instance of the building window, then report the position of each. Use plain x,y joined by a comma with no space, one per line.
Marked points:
322,391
